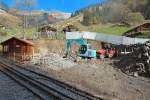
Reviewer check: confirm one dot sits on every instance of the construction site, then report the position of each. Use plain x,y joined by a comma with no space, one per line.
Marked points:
96,51
106,67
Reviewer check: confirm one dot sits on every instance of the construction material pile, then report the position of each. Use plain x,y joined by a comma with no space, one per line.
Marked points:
53,61
139,62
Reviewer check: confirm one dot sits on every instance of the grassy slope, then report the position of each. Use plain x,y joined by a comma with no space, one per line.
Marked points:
60,25
13,27
11,23
106,29
16,30
9,20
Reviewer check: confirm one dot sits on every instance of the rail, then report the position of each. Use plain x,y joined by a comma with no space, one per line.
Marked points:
57,90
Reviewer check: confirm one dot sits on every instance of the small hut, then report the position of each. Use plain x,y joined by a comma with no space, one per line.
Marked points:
70,28
47,32
137,30
17,49
46,29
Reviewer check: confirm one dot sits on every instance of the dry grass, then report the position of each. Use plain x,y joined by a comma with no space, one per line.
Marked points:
9,20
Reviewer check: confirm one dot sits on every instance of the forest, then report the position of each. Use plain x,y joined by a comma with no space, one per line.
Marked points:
116,11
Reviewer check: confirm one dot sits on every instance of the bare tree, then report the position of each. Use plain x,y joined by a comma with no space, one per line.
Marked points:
26,5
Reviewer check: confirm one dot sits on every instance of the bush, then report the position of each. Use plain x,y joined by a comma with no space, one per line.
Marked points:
3,33
135,18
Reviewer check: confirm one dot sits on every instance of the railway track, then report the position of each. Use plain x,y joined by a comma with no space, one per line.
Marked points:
43,86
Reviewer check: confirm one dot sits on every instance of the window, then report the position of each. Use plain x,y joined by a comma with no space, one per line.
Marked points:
83,49
18,49
6,48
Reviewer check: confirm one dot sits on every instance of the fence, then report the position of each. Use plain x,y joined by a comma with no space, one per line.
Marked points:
49,35
105,38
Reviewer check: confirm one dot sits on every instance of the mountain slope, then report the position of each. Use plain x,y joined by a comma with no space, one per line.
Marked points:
71,21
9,20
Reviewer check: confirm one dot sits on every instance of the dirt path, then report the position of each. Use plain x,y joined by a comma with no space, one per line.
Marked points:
102,79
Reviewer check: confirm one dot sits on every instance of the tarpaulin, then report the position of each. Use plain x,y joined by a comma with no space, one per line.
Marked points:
105,38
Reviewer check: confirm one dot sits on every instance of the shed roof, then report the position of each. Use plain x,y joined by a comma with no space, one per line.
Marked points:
70,28
21,40
132,29
47,28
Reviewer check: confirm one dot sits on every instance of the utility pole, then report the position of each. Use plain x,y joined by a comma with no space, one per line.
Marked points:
27,6
24,26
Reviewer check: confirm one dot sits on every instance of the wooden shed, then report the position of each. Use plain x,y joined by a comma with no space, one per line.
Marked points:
46,32
70,28
17,49
46,29
137,30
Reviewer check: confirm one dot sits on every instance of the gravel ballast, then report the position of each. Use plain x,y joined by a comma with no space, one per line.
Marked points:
10,90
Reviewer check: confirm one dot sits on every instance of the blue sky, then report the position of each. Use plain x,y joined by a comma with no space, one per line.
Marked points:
60,5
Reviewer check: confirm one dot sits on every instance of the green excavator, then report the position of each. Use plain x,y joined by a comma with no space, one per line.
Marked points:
84,51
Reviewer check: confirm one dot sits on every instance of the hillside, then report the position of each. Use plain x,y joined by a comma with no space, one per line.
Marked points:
13,20
71,21
100,28
116,11
55,14
113,17
9,20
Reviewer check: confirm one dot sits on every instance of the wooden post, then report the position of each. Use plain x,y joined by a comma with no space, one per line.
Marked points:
32,52
2,49
14,54
23,56
14,49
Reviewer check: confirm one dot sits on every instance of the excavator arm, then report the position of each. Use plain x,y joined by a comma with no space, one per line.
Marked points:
71,42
